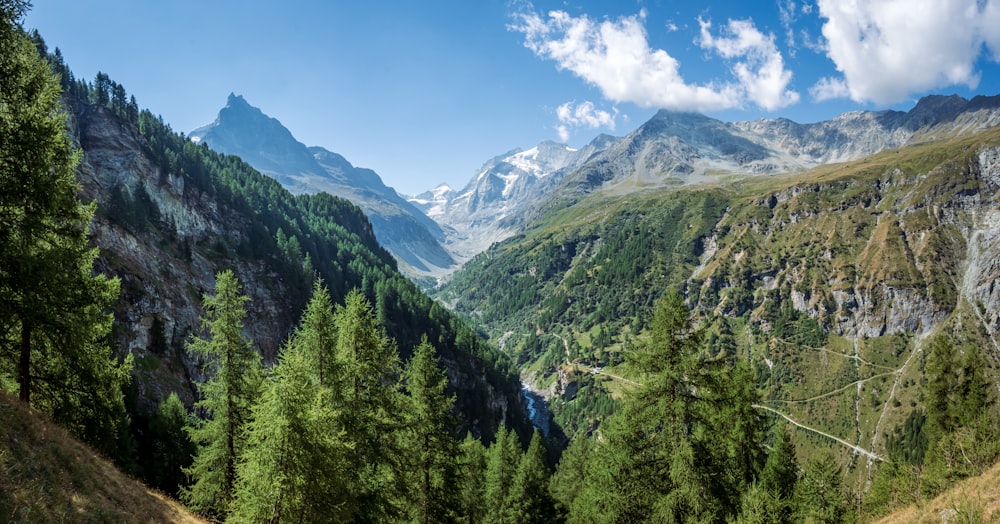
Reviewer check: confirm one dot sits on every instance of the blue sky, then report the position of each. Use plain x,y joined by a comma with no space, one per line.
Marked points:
425,92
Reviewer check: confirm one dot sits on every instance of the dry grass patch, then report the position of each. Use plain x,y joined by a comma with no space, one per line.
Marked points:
46,475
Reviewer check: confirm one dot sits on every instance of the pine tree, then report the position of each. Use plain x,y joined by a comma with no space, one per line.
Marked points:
371,411
429,441
227,396
819,496
757,507
172,448
502,461
780,474
686,444
53,310
293,468
472,482
568,479
528,498
317,337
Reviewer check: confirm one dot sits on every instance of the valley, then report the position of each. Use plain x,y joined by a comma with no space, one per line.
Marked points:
700,320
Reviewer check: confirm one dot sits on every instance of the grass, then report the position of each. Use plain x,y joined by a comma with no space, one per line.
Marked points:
46,475
975,499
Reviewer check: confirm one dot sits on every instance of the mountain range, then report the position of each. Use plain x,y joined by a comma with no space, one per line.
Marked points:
677,148
432,234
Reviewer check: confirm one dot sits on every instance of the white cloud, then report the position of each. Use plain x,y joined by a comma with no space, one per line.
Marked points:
787,14
585,115
889,49
615,57
757,63
828,88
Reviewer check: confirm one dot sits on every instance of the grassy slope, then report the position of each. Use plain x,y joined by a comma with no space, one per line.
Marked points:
48,476
973,500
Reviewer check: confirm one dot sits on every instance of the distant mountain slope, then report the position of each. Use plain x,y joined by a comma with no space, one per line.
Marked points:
49,476
263,142
832,282
675,148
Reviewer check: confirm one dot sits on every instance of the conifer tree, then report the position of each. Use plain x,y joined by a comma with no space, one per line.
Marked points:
370,411
502,461
234,376
819,496
429,441
472,483
686,444
53,309
780,474
317,337
757,507
528,498
568,480
293,468
172,447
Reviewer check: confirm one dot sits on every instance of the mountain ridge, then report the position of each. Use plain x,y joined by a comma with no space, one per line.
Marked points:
263,142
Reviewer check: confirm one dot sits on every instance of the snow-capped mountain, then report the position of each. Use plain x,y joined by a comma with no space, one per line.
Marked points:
263,142
491,206
434,202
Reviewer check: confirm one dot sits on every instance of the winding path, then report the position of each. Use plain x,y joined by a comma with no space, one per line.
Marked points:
857,449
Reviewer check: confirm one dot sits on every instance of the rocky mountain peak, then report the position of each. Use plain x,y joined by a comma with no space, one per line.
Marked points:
265,143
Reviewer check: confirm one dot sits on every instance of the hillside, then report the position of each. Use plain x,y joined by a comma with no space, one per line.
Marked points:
972,500
513,191
46,475
832,282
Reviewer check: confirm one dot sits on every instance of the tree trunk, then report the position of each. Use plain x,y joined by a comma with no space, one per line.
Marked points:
24,364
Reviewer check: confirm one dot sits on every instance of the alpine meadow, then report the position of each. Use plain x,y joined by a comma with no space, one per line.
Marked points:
703,318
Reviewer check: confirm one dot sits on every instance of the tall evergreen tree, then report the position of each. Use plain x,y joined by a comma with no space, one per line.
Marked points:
172,449
781,471
293,468
780,474
429,441
819,496
472,484
502,461
53,309
370,410
686,444
317,337
528,499
234,372
568,480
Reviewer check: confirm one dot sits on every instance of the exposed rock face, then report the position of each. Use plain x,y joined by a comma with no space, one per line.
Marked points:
892,255
162,287
245,131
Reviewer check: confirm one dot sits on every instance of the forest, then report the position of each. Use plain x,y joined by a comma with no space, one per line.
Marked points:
354,420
